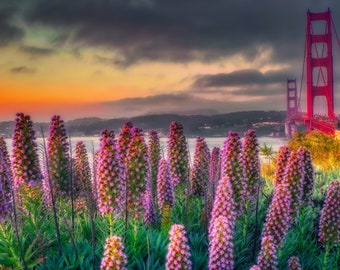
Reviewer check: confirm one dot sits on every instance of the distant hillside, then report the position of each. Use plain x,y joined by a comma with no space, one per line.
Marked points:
265,122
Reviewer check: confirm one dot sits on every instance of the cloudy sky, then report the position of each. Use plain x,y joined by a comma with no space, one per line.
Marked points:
114,58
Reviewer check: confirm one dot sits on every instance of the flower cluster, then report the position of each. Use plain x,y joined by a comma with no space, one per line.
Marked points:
114,256
82,174
214,177
224,204
58,157
215,167
178,255
221,246
137,172
308,183
124,140
255,267
294,263
278,218
178,155
232,166
329,228
165,194
95,157
294,177
154,150
5,181
150,217
251,163
267,259
200,170
109,176
25,163
281,163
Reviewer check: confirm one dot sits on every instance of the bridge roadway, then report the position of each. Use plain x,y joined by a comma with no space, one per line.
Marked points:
324,124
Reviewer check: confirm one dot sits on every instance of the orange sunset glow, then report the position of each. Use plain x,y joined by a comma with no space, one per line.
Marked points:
102,61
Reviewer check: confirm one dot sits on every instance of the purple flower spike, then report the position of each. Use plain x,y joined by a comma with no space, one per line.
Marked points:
221,247
58,157
200,171
294,263
114,257
124,140
255,267
178,256
215,167
165,194
150,217
82,174
137,172
5,181
232,166
224,204
278,218
26,166
281,163
154,151
329,228
251,163
178,155
267,259
308,182
109,176
294,178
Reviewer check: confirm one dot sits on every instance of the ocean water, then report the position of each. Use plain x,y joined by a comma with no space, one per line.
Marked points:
92,144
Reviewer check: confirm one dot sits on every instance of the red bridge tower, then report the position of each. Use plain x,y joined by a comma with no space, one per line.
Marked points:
319,65
319,78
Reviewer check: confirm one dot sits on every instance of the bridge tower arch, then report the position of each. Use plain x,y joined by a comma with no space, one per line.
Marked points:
319,66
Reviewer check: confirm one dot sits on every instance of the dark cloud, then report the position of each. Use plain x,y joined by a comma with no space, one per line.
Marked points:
243,77
22,70
180,31
37,51
8,31
187,104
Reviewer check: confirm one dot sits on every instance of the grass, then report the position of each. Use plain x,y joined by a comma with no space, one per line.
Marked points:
146,247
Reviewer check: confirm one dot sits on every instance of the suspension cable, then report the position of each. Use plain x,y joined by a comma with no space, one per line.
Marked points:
302,75
336,34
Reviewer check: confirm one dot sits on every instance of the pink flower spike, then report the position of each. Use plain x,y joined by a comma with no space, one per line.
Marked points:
178,255
114,257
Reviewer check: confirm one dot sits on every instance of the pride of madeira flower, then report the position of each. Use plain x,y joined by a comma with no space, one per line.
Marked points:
109,176
178,256
114,257
5,181
329,229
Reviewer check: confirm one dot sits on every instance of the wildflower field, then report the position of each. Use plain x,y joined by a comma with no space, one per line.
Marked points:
135,208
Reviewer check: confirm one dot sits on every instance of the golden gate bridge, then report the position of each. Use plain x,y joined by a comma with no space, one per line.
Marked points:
317,72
